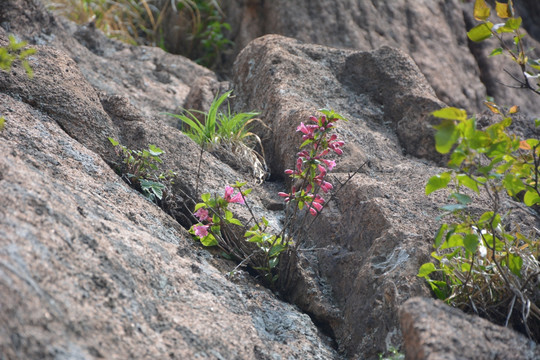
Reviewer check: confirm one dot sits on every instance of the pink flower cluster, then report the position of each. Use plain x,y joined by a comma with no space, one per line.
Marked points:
203,215
311,166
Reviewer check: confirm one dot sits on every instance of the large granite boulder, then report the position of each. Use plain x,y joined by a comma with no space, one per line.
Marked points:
423,321
432,32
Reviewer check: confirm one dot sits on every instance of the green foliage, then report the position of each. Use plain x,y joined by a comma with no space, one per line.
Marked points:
484,261
510,25
393,354
215,212
15,52
481,258
216,221
141,169
141,22
218,127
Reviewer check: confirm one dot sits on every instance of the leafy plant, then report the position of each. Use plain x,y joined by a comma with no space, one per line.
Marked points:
15,52
143,22
217,127
141,169
225,132
393,354
312,166
515,49
485,262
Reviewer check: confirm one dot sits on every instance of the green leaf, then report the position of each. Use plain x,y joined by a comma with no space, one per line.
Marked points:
440,288
437,182
446,136
439,236
2,123
256,239
209,240
480,32
515,263
513,23
456,240
466,180
276,250
535,64
497,51
531,198
273,262
485,217
426,269
205,197
306,142
235,222
113,142
331,114
451,113
199,205
517,39
453,207
471,243
461,198
154,150
513,184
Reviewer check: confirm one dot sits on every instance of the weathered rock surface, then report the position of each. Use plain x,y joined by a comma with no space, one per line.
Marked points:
465,336
432,32
378,229
88,267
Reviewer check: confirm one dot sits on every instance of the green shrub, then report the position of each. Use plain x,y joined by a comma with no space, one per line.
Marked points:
216,220
486,262
141,170
141,22
227,134
217,127
16,52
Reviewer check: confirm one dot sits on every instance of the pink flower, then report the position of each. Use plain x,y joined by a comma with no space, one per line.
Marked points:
326,186
307,130
234,199
316,205
336,146
202,214
329,163
201,230
285,195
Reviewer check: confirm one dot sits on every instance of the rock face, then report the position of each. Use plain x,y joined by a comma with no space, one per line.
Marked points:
91,269
466,337
377,231
88,267
432,32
